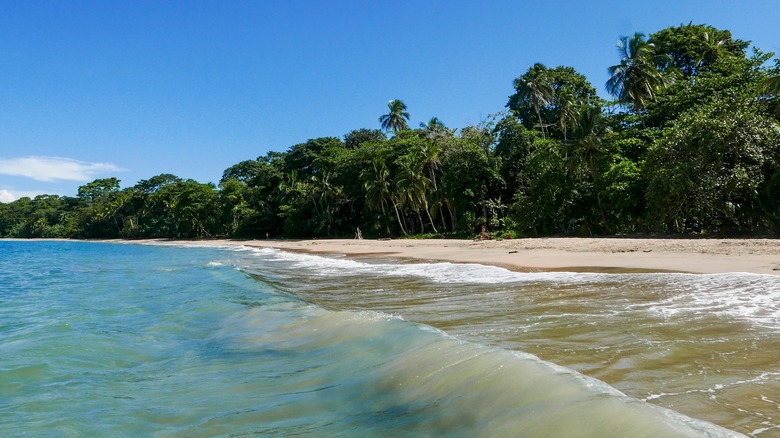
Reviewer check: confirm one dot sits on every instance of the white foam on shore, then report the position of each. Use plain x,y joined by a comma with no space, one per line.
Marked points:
744,296
750,297
440,272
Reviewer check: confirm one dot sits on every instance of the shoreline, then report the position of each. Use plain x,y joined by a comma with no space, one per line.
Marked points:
602,255
541,254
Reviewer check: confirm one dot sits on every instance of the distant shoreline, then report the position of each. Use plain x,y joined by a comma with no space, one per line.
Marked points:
612,255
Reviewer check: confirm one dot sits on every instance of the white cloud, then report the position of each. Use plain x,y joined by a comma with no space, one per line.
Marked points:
12,195
54,168
6,196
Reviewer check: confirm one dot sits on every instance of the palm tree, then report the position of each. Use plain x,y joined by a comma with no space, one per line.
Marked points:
396,119
567,112
434,129
636,79
378,189
328,199
585,146
415,184
534,87
713,48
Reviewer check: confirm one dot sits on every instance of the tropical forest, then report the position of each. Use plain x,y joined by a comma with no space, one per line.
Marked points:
688,144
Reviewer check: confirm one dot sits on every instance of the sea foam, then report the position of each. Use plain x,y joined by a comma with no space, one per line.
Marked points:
438,272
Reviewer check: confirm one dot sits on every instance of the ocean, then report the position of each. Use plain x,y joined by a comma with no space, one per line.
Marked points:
109,339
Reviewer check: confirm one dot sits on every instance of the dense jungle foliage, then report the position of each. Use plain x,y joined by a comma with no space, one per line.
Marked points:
691,144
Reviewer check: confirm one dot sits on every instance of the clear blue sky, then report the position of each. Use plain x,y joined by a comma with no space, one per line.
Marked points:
92,89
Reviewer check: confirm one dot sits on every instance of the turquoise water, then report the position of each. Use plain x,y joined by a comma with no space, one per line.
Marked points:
128,340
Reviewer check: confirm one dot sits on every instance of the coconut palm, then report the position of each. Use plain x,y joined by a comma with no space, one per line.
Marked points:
713,48
413,182
428,153
435,129
567,112
585,145
396,119
636,79
534,87
376,182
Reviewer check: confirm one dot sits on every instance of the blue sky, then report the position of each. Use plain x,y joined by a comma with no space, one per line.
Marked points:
132,89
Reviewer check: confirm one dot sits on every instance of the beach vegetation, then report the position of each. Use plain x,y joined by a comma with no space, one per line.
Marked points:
690,145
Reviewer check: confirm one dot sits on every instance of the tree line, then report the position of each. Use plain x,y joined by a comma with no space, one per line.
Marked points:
690,144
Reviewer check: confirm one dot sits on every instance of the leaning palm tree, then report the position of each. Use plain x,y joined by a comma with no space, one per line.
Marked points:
429,154
415,185
534,87
396,119
636,79
376,182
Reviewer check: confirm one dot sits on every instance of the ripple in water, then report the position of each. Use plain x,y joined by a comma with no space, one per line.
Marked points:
704,345
102,339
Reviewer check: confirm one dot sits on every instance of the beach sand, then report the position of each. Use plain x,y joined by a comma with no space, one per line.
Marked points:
617,255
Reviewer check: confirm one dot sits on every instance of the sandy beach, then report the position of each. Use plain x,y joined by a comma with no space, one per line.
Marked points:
759,256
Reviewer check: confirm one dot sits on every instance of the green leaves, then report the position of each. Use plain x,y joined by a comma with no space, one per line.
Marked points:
97,189
698,153
396,119
636,80
704,173
694,49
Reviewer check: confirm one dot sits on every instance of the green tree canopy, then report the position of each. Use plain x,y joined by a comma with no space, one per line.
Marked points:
704,173
156,182
562,90
100,187
357,137
533,90
694,48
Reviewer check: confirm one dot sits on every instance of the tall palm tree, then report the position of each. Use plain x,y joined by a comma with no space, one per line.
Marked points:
534,87
376,182
636,79
567,112
412,181
428,153
396,119
585,145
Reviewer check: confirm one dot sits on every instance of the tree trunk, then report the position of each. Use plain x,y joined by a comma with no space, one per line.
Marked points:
398,216
453,216
541,123
430,219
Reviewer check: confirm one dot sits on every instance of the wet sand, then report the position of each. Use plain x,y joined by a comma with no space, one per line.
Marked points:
705,256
